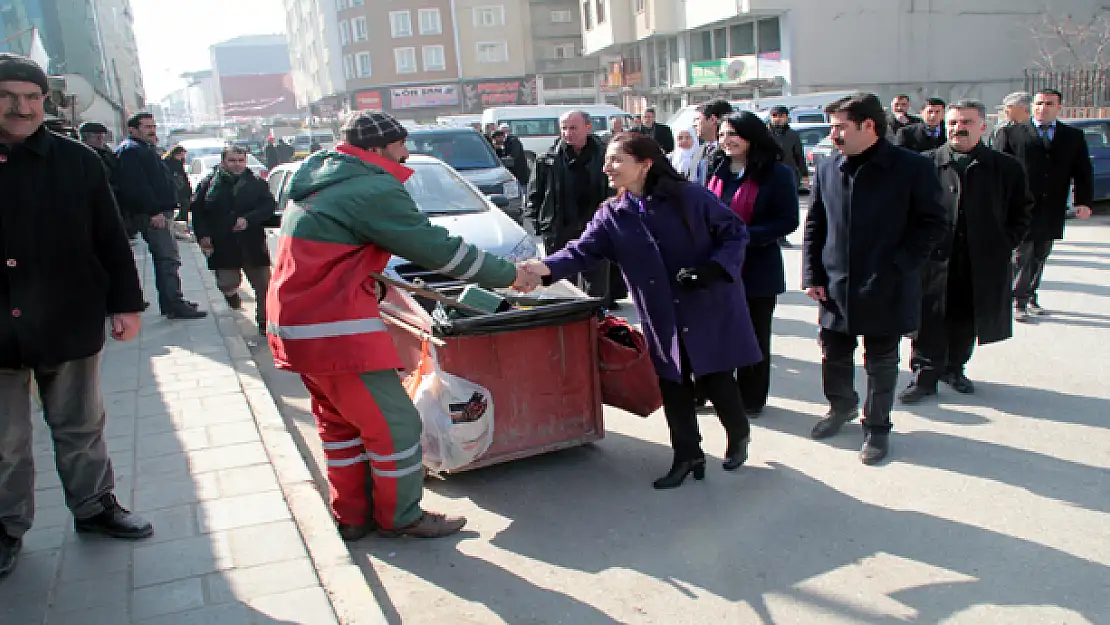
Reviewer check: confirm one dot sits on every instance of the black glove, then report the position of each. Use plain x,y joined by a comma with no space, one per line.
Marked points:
701,277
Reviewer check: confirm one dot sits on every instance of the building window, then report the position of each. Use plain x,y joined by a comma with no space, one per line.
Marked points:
405,59
400,24
341,4
358,26
563,51
587,15
493,52
344,32
349,66
434,59
600,11
769,38
562,17
430,23
357,3
364,69
489,17
741,39
639,6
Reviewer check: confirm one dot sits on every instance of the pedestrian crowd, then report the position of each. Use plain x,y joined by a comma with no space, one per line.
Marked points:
916,228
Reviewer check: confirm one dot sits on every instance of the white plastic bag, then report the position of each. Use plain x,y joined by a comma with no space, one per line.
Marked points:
457,415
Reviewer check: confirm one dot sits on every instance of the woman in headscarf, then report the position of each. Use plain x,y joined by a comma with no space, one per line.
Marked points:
683,156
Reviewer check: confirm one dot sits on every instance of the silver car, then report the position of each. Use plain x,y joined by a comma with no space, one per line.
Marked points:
449,200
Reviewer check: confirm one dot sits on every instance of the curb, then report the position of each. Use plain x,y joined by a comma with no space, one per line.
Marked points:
339,575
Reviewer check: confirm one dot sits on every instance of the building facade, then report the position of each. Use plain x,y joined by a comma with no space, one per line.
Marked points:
668,53
312,32
252,77
564,75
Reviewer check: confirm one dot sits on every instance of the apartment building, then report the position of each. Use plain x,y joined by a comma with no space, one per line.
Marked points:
495,54
668,53
312,33
564,75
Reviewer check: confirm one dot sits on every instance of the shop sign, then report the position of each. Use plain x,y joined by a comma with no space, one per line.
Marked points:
479,95
736,69
370,100
424,96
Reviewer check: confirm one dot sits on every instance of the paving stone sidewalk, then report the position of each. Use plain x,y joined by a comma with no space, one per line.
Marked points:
220,481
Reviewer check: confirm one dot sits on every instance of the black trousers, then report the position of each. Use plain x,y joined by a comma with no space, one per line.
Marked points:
1029,261
945,344
838,370
755,380
682,416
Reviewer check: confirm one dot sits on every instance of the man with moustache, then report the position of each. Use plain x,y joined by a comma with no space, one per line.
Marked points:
899,116
68,275
660,132
1015,112
876,215
927,135
966,282
1056,160
707,123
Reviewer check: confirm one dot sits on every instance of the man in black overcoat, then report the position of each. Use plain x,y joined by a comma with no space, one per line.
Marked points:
1056,159
876,215
966,283
929,133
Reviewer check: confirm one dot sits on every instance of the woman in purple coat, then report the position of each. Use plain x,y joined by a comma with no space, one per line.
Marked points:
681,252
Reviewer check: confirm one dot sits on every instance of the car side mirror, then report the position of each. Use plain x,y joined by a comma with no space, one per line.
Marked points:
508,161
500,201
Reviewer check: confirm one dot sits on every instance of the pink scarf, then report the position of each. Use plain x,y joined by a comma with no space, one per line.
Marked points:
743,203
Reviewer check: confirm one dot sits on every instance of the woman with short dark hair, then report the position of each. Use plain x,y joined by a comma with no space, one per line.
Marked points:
762,191
680,252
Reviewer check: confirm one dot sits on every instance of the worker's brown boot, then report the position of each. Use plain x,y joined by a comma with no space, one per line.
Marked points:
430,525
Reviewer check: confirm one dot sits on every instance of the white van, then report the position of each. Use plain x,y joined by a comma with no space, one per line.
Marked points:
538,126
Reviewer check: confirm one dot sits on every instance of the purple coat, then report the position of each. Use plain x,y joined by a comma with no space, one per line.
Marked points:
682,226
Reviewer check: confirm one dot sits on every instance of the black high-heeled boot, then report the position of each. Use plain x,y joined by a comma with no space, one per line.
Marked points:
679,471
736,455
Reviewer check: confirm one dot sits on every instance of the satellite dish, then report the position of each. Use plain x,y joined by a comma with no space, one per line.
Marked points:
737,68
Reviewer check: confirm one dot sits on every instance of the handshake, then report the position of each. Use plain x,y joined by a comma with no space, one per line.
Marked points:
529,275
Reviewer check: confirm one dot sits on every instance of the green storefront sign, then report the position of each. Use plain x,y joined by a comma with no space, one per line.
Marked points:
735,69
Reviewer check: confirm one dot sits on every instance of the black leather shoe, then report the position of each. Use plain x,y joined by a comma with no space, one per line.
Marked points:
832,423
678,473
875,448
186,312
959,382
355,533
753,412
9,553
115,521
915,392
234,301
737,455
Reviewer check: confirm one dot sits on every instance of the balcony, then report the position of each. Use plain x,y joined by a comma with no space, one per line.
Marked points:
618,28
575,64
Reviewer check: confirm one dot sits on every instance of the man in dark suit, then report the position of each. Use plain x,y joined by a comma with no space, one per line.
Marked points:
660,132
967,282
876,215
927,135
1056,159
899,115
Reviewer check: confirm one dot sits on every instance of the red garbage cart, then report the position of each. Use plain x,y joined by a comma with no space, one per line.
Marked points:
539,363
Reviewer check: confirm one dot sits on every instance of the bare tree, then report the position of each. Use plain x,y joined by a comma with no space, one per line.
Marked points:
1064,42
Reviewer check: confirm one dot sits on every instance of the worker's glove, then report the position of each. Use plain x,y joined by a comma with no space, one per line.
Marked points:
692,278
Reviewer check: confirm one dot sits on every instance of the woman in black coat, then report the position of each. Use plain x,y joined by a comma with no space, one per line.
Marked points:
763,192
230,211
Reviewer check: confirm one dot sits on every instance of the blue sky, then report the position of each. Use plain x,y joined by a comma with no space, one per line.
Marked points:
174,36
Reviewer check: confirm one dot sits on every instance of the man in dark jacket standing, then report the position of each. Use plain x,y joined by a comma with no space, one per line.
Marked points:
707,123
966,282
514,148
1056,159
876,216
68,270
230,212
927,135
899,116
793,156
567,187
660,132
146,191
95,135
273,158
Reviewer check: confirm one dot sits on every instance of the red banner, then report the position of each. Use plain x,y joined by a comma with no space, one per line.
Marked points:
368,100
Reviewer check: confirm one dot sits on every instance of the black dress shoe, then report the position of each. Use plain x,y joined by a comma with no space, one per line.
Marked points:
959,382
915,392
736,455
678,473
832,423
875,448
754,411
234,301
355,533
185,312
115,521
9,552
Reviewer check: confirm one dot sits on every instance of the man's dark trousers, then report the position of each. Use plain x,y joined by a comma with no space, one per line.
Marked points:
1029,262
880,359
944,345
166,259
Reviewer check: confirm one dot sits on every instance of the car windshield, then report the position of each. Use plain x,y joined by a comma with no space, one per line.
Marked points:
437,190
461,150
812,136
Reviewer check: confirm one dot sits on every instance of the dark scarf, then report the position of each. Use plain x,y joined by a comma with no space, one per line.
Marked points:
223,180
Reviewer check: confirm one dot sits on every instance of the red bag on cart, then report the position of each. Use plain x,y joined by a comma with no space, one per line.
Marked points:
628,378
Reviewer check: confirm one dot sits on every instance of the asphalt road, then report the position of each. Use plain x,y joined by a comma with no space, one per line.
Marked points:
993,508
